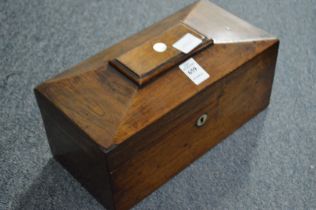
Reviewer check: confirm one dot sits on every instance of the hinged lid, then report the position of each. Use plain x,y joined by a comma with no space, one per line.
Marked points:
143,63
111,109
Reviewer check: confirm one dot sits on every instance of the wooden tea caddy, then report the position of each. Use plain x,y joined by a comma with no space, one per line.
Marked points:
126,120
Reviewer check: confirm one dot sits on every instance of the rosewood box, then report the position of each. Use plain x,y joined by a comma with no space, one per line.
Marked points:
126,120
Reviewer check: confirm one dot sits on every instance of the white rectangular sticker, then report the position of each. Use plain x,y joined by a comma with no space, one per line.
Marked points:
187,43
194,71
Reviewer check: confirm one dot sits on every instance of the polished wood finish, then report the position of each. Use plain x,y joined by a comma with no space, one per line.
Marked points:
122,136
142,63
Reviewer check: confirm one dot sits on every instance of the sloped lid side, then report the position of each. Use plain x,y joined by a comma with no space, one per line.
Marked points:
222,26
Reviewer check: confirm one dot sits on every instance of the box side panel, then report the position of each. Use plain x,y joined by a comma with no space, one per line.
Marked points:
229,103
73,149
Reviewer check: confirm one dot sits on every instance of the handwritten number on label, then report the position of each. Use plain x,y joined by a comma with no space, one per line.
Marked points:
192,70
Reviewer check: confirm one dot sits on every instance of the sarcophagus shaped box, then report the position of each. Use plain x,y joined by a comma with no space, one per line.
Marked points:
126,120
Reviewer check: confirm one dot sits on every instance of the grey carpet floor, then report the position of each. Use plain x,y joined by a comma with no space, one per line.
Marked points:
269,163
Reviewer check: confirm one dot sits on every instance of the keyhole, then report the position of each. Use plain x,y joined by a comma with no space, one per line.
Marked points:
201,120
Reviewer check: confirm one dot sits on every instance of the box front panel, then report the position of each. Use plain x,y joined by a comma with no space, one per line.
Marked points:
228,103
